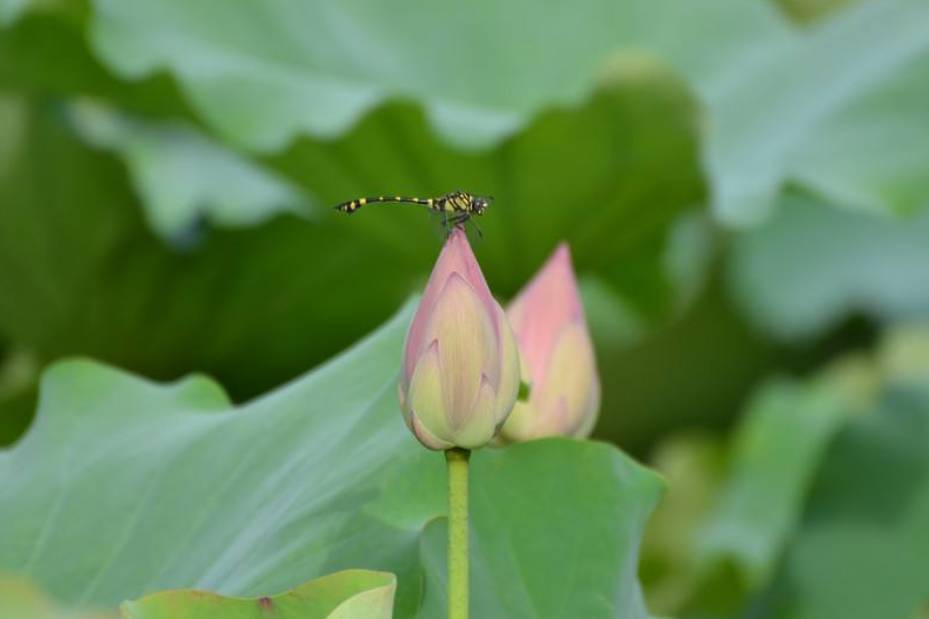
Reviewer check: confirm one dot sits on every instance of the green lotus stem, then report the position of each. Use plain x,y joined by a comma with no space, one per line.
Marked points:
457,532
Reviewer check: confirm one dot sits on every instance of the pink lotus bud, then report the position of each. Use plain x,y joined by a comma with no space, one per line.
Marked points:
557,356
460,364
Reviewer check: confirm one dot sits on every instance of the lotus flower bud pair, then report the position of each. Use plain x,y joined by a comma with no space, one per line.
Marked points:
461,365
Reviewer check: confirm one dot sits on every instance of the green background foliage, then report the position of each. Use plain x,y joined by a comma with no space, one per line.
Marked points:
743,186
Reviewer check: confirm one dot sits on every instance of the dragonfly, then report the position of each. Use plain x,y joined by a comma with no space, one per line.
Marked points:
456,207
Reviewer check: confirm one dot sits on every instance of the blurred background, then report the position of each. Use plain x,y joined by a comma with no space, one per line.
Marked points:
743,185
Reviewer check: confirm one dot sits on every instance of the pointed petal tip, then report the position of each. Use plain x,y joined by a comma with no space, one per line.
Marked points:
560,263
457,236
553,290
457,247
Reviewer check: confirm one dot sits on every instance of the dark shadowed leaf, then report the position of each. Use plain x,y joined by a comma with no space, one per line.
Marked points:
122,297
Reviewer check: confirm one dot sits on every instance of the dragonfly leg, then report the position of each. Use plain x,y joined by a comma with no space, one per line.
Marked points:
480,234
454,221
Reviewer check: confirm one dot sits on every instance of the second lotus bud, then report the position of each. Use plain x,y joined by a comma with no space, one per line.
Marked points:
557,356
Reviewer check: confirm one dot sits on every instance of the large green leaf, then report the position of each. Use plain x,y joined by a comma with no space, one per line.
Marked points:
814,108
350,594
144,487
874,154
183,177
516,558
812,266
235,60
263,73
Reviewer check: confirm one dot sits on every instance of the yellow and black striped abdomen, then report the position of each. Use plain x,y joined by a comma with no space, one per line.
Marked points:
354,205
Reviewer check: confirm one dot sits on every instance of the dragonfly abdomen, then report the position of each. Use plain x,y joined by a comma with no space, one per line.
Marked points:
353,205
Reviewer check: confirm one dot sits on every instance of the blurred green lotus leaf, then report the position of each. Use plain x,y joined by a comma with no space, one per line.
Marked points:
863,548
820,107
775,455
183,176
145,487
873,155
812,266
823,507
262,74
350,594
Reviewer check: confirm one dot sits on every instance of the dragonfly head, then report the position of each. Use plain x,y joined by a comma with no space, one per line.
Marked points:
479,204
